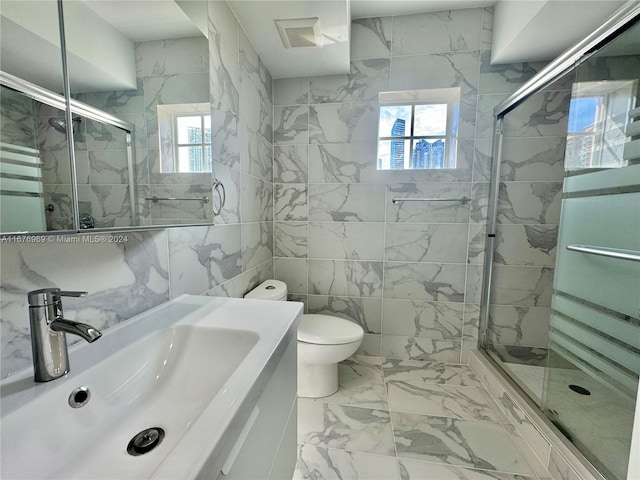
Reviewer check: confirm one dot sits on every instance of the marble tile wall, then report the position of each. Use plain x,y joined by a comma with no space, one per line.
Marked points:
530,196
145,268
408,274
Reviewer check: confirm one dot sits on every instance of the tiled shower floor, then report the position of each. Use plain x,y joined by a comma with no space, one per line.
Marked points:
409,420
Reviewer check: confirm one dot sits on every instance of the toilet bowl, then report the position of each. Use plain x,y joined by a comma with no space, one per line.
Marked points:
323,342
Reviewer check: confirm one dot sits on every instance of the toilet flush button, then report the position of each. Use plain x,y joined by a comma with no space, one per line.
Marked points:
270,287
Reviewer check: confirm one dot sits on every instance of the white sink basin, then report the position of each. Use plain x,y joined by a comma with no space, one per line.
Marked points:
190,367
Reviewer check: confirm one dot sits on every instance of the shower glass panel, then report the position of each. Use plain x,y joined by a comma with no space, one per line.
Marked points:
594,344
564,303
528,214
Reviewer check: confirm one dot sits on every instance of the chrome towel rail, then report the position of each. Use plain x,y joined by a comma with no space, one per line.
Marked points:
606,252
155,199
462,200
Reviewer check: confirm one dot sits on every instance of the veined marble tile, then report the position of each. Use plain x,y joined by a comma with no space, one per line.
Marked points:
101,136
203,257
225,140
426,242
255,107
290,239
293,272
424,281
111,205
56,166
429,372
346,203
257,199
109,167
542,115
348,428
291,163
140,131
18,128
506,77
418,348
539,159
252,64
345,278
290,202
186,210
119,101
231,180
176,88
416,470
125,279
444,70
362,367
366,312
511,325
439,400
360,385
428,212
256,153
485,119
526,245
366,80
457,442
332,464
437,32
223,22
343,123
371,345
291,91
521,202
436,320
371,38
486,34
257,244
471,322
525,286
224,70
177,55
559,468
291,125
348,240
344,163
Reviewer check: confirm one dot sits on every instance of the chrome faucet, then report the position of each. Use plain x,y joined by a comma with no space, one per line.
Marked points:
48,328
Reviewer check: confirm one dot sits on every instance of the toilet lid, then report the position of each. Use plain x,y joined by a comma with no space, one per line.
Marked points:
328,330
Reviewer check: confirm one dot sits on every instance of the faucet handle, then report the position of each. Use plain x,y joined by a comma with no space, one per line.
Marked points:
71,293
50,296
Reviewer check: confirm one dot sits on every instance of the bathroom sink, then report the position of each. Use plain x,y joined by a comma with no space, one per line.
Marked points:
187,368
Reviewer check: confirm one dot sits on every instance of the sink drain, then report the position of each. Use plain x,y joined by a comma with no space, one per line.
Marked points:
145,441
79,397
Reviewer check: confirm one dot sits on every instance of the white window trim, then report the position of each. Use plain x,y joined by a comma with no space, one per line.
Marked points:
413,98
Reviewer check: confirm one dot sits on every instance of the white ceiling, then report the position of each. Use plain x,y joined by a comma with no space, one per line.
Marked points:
257,19
388,8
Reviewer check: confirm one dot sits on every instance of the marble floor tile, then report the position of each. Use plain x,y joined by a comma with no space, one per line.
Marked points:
360,385
348,428
329,464
457,442
429,372
360,367
415,470
439,400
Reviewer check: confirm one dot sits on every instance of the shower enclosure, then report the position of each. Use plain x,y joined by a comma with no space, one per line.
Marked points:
560,312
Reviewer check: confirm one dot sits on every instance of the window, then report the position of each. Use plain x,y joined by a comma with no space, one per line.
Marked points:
417,129
185,138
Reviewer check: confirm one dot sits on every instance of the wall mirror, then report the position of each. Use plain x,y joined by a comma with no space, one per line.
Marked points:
139,87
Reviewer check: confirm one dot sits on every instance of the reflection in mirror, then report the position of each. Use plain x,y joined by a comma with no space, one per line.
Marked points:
159,84
35,178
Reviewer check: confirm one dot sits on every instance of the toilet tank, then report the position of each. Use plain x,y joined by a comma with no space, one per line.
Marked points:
269,290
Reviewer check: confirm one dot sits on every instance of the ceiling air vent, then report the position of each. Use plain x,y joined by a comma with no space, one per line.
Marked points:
300,32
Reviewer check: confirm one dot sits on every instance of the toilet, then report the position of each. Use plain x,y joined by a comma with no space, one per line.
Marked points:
323,342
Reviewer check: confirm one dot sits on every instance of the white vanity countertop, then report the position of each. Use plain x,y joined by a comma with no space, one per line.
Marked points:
38,423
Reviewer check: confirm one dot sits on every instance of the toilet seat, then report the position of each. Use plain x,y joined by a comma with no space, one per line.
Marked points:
328,330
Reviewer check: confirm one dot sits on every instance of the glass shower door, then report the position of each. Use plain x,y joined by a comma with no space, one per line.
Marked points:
591,381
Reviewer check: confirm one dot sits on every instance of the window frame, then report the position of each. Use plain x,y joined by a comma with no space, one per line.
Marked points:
176,145
412,98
